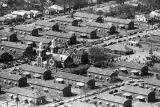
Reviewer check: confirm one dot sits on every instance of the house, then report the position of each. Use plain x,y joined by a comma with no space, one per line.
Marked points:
119,49
36,40
141,18
102,28
45,24
12,79
54,9
82,104
143,95
17,50
135,68
74,80
26,30
35,72
102,74
78,56
87,16
52,87
11,36
63,22
82,32
153,84
26,95
62,38
114,101
127,23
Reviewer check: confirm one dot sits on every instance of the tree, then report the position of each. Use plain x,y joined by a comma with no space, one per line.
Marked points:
120,1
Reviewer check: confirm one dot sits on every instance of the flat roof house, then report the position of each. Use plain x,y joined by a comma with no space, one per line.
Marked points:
37,40
26,95
75,80
36,72
65,21
11,36
102,74
51,86
17,50
129,24
26,30
102,28
134,67
13,79
82,32
153,84
114,101
45,24
62,37
141,94
88,16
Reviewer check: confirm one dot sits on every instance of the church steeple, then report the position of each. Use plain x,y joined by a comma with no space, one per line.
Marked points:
53,45
39,57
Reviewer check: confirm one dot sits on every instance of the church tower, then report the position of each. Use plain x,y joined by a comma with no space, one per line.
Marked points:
39,57
53,46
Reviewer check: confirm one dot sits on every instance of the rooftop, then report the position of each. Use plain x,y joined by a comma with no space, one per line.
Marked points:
86,15
37,39
141,104
117,20
79,29
24,92
73,77
59,34
99,25
5,33
106,72
82,104
131,65
153,81
122,48
64,19
47,84
31,68
13,45
6,75
45,23
24,28
136,90
115,99
157,33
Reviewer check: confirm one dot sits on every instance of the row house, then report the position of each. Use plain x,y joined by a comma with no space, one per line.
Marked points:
74,80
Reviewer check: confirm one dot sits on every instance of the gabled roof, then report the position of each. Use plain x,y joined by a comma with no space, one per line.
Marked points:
59,34
37,39
24,92
100,71
117,20
9,76
30,68
13,45
24,28
153,81
115,99
73,77
48,84
86,15
136,90
79,29
60,57
157,33
45,23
